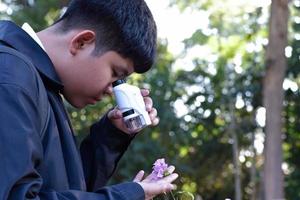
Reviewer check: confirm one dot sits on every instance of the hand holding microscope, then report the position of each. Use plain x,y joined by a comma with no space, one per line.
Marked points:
131,103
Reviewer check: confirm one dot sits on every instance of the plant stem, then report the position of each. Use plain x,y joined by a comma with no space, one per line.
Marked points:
172,195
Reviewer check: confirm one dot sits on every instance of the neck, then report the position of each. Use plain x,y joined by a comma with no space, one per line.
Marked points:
55,45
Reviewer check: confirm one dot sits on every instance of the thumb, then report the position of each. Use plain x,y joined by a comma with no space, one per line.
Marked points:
114,114
139,176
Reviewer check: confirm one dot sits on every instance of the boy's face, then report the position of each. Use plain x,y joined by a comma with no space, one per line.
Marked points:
89,78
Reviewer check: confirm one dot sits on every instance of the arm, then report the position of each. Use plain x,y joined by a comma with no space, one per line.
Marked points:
123,191
106,144
21,152
101,151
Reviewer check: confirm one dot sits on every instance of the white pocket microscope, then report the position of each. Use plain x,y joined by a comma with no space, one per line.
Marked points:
131,103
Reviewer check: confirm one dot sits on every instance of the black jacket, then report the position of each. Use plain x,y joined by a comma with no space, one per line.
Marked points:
38,154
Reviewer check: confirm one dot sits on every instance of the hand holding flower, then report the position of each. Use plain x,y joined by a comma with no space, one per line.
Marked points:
159,181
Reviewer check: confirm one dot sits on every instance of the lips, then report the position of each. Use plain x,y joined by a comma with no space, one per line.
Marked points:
97,98
94,100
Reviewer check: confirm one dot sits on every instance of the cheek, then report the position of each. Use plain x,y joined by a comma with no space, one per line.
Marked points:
102,79
89,79
94,85
93,80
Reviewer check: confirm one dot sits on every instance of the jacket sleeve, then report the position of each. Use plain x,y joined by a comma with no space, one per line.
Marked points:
101,151
21,152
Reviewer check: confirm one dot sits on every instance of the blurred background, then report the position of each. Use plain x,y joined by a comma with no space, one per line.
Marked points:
208,85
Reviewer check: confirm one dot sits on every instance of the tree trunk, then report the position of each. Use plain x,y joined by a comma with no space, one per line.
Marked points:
237,168
235,152
253,168
273,99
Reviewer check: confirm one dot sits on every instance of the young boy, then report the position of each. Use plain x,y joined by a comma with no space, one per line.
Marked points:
93,44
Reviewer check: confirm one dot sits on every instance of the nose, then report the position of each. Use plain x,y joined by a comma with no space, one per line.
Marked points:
109,90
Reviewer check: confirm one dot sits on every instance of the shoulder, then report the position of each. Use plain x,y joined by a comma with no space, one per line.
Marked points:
15,70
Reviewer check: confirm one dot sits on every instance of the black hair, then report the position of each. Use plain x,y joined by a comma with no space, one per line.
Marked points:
124,26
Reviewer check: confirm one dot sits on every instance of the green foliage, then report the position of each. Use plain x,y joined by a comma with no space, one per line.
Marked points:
196,4
38,13
292,115
198,141
209,106
197,38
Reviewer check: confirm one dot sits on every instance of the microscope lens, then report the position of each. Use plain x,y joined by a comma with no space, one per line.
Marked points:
135,123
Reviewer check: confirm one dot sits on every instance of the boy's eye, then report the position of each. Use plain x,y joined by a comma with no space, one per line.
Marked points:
115,73
118,74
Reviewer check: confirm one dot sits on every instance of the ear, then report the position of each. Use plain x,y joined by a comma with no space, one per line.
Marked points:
80,40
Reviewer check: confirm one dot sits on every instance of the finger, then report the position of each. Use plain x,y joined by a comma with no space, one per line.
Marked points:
167,188
171,169
139,176
145,92
114,114
148,178
162,188
148,103
153,114
170,178
155,121
155,188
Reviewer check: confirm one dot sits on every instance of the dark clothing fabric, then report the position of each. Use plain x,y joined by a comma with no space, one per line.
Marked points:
39,157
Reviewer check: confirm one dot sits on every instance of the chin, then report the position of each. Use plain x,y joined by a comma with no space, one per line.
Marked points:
77,104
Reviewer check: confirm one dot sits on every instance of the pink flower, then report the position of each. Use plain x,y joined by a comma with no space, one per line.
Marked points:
160,169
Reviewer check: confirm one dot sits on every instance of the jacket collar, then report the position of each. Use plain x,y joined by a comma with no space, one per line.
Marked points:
28,29
18,39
